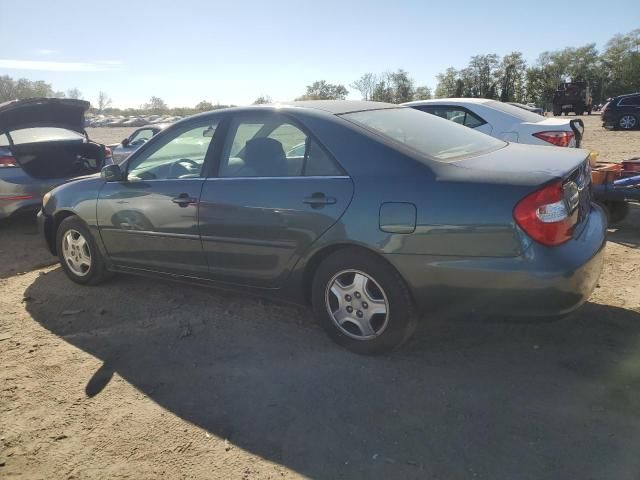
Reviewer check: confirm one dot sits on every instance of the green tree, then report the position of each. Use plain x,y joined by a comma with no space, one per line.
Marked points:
74,93
156,105
621,62
366,84
447,83
204,106
422,93
383,89
512,75
402,86
321,90
262,99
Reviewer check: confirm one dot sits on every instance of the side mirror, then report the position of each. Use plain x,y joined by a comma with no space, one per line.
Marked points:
125,142
111,173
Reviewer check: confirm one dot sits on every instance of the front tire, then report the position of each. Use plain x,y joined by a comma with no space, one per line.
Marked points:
79,256
362,302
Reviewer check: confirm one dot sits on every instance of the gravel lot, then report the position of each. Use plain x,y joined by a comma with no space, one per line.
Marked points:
143,378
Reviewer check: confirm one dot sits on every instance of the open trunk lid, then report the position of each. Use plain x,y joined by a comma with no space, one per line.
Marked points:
43,112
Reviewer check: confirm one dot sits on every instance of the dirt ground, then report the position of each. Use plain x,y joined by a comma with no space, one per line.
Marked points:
148,379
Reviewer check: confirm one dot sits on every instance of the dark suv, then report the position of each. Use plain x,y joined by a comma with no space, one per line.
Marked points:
622,112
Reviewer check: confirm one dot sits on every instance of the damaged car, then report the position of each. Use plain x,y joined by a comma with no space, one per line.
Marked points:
43,144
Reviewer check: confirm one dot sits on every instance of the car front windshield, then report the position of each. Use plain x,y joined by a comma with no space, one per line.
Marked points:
40,134
426,134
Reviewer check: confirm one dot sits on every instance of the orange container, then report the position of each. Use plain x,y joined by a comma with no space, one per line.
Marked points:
605,173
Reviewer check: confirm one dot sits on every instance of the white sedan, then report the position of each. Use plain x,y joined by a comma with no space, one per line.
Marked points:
504,121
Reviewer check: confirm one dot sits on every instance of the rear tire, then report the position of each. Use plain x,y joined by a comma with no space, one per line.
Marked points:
78,253
348,288
627,122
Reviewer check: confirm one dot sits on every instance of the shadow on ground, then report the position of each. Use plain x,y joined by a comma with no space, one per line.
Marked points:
627,232
22,248
464,398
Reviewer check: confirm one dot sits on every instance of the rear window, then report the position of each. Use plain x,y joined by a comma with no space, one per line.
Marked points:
42,134
517,112
427,134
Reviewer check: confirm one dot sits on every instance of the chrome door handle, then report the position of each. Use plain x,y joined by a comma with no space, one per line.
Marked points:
319,199
184,199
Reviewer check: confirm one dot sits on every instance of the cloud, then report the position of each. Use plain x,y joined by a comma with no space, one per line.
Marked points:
44,51
46,66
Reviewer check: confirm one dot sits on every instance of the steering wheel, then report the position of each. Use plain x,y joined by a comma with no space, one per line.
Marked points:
192,164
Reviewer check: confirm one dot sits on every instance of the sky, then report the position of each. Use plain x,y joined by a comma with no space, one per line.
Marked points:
231,52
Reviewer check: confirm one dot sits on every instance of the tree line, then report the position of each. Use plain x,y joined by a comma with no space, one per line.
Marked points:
614,71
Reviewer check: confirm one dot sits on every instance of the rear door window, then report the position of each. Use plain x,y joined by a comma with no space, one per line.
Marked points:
269,145
630,101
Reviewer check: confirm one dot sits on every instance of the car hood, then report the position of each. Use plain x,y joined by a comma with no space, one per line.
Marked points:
43,112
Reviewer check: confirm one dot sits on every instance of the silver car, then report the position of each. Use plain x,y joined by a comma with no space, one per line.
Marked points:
134,141
43,144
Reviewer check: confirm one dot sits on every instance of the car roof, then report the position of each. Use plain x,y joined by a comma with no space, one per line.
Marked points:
628,95
334,107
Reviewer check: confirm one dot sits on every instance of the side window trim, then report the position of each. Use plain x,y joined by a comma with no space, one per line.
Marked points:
155,143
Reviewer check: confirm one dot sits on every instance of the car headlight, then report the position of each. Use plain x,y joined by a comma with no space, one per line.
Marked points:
45,198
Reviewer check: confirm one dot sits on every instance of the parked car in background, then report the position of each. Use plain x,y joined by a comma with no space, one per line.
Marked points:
529,107
43,144
622,112
387,214
134,122
504,121
134,141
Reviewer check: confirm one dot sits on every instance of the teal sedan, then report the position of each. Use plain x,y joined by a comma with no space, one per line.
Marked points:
375,215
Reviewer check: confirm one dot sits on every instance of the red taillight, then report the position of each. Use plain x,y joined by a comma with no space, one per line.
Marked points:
559,139
7,161
543,215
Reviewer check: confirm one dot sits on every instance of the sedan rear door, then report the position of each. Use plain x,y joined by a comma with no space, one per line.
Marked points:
270,200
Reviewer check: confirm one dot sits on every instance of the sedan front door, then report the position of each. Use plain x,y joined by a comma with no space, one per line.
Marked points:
150,220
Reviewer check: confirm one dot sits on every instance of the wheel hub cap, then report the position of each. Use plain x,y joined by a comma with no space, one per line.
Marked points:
76,253
627,121
357,304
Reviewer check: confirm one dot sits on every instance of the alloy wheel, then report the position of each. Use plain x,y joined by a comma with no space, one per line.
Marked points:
76,252
627,122
357,304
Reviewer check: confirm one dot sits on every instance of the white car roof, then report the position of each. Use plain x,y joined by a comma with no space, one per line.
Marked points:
477,101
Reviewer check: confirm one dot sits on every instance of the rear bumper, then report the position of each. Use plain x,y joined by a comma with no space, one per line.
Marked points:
19,192
543,281
12,204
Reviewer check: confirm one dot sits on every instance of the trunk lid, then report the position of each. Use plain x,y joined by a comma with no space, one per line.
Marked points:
518,164
531,167
43,112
